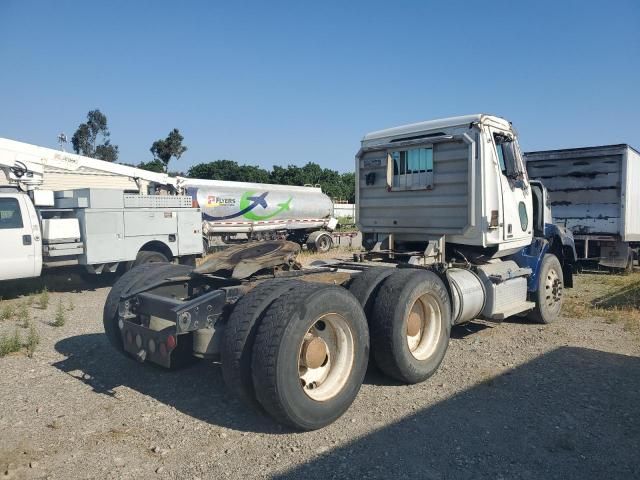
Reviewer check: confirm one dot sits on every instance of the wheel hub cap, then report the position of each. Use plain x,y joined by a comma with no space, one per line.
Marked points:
314,352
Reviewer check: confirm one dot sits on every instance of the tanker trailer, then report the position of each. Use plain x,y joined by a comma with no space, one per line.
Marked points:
234,212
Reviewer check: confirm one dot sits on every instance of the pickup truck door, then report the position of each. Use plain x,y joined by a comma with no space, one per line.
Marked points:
21,252
517,206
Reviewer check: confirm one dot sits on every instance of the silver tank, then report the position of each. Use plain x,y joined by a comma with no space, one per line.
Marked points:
238,206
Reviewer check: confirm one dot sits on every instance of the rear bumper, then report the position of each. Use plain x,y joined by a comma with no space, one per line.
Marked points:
151,325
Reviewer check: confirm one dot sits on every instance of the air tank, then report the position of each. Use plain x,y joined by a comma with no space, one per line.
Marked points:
243,207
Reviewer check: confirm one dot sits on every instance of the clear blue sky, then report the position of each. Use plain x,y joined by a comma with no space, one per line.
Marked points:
274,82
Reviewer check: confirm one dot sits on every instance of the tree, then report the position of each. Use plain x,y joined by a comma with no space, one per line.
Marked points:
338,186
152,166
229,170
164,150
85,139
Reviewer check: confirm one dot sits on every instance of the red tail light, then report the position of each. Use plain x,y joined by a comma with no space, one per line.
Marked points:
171,342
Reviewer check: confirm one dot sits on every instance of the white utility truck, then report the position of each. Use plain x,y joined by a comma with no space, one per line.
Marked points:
453,231
595,193
100,229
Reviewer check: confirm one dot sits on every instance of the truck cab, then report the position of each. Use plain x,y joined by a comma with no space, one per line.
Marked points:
459,183
21,253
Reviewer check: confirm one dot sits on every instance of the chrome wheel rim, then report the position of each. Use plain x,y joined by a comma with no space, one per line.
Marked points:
424,325
325,357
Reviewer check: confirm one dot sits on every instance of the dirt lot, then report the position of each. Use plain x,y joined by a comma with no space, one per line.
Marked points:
511,401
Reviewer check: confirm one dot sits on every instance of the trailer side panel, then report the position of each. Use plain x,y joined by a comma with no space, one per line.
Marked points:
585,187
631,205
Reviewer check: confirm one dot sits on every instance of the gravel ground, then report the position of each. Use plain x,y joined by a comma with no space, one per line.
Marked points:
510,401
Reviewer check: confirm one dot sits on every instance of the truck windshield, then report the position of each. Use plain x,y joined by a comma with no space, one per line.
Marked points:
10,214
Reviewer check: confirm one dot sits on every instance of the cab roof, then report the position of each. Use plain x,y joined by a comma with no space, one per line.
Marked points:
430,125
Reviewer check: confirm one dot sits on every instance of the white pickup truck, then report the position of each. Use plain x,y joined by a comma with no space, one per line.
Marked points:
102,230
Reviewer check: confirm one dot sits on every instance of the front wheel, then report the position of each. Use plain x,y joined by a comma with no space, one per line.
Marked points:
548,297
310,355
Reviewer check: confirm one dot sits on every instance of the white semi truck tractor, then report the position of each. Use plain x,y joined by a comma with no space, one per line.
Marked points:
453,231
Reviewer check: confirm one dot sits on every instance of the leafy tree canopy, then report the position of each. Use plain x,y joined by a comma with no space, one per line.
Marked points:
338,186
85,139
170,147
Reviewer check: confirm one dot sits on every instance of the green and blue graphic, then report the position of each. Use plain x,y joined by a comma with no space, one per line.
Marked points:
248,203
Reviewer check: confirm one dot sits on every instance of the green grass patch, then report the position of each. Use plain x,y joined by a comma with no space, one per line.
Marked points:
60,318
615,298
43,299
8,311
33,339
10,343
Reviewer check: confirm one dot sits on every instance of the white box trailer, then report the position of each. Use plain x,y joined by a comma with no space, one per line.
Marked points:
595,193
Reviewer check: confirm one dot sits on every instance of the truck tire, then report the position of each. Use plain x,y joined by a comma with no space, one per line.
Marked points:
548,297
181,355
240,332
366,285
310,355
411,324
320,242
149,256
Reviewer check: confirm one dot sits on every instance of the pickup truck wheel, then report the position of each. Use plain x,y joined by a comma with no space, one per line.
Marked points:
365,286
550,292
149,256
181,356
411,324
239,335
310,355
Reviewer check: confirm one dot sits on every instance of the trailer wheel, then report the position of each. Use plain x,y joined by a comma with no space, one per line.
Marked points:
320,242
411,324
310,355
240,332
181,356
365,286
550,291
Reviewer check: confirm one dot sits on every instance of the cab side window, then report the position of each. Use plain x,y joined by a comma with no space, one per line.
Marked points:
412,168
10,215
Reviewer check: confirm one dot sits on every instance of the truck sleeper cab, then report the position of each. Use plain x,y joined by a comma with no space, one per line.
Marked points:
453,231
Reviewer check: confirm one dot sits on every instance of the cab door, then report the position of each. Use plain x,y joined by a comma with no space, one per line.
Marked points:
19,239
517,207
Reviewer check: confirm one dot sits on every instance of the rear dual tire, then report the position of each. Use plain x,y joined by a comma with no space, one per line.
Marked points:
410,325
310,355
240,332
